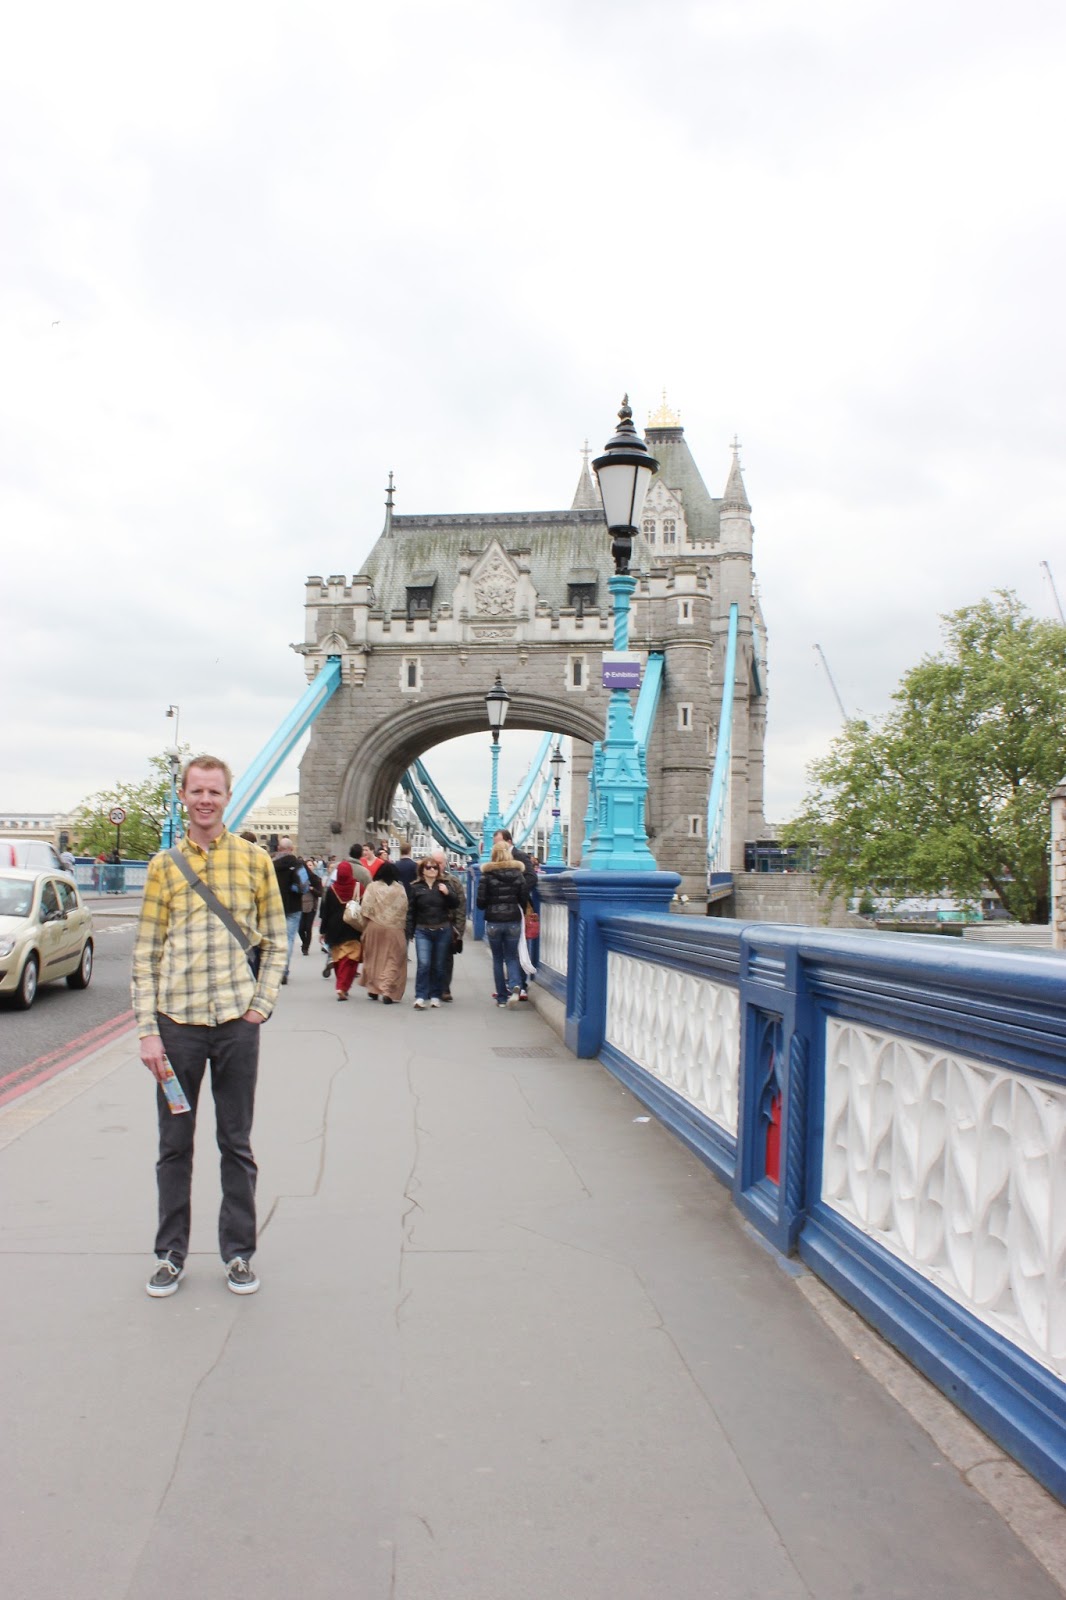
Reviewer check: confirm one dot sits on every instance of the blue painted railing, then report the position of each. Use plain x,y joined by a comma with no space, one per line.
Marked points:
891,1109
427,817
530,779
250,785
422,780
718,798
648,698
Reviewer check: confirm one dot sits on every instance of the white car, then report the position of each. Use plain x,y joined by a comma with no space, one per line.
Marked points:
36,855
46,932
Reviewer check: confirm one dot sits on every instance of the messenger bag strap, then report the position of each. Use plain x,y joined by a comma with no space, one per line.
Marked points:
210,899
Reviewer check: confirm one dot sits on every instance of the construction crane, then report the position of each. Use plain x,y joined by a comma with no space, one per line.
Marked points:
836,692
1055,592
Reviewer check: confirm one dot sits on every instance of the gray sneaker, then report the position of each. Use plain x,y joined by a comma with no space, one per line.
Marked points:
512,998
240,1276
164,1279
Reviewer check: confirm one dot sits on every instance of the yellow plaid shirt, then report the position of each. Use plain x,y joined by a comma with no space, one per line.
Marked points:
185,963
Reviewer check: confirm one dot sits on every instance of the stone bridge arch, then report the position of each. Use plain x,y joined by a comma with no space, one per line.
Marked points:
387,749
446,602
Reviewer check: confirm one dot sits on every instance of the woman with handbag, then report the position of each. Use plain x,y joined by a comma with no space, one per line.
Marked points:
383,910
503,896
345,946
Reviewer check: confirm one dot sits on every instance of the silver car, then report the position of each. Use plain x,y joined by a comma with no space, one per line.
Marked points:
46,932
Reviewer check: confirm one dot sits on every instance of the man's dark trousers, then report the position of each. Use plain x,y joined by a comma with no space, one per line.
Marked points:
233,1050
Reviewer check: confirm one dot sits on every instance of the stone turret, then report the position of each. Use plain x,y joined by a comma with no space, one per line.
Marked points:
735,510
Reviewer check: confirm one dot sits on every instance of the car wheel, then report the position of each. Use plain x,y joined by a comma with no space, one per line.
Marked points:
27,989
80,978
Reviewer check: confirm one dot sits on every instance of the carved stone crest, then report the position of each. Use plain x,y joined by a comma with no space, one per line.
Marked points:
495,581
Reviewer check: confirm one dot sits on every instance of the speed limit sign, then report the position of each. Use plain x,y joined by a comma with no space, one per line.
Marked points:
116,815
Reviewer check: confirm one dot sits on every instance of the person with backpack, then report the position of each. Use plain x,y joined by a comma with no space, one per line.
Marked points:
308,905
293,882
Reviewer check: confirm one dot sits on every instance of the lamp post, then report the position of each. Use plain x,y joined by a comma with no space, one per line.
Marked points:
496,702
555,843
617,841
171,832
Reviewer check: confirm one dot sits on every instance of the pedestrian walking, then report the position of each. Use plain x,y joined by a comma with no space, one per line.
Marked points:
292,877
458,922
343,941
383,910
503,894
308,905
407,866
196,999
429,908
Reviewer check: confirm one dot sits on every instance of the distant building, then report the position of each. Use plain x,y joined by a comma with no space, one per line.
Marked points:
278,814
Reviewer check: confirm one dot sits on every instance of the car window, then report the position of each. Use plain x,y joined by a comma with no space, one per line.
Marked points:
68,898
15,898
33,855
49,900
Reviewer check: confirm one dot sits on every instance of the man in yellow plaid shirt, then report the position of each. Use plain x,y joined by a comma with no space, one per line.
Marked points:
196,1000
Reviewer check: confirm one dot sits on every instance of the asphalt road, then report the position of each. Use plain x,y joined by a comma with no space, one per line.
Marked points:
60,1016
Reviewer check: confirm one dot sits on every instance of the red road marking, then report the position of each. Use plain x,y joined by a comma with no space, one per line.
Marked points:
23,1079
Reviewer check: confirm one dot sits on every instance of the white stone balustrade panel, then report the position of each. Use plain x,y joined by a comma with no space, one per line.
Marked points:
683,1029
959,1169
554,936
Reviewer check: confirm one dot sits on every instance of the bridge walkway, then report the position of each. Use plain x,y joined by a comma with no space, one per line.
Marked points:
513,1343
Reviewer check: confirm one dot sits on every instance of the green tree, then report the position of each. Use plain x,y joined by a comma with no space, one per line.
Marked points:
949,791
145,805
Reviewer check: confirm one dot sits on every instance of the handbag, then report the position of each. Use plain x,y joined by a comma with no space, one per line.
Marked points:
251,948
532,924
353,914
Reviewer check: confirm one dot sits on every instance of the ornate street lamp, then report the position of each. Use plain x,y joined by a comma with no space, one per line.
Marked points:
616,840
496,702
555,844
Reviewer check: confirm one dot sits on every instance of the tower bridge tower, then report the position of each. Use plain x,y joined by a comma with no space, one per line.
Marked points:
447,601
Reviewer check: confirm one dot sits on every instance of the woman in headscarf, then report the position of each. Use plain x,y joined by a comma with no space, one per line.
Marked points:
344,944
384,912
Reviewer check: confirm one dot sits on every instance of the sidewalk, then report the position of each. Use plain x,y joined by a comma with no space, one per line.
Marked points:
511,1344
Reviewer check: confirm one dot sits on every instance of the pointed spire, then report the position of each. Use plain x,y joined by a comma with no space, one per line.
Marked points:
586,495
665,417
388,505
736,496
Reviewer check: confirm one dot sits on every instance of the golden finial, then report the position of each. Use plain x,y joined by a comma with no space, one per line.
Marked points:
665,417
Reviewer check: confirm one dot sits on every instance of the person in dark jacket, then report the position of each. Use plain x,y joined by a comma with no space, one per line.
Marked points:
503,894
406,867
458,922
345,946
308,906
431,902
525,861
529,872
292,876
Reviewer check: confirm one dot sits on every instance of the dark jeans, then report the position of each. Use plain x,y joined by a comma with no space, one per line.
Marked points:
432,946
503,942
233,1051
307,923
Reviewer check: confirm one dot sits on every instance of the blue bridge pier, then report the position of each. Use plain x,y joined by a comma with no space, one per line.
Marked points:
516,1337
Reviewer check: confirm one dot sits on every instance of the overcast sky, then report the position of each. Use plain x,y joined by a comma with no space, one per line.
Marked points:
255,256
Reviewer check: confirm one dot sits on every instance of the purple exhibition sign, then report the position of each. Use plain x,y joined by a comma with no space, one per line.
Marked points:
621,670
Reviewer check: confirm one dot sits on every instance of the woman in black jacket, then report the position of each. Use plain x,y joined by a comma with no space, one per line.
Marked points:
503,896
429,907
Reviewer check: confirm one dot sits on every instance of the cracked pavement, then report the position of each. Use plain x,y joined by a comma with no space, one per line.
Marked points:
510,1343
